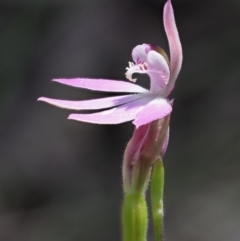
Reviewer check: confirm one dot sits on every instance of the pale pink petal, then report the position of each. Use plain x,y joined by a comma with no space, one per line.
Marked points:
139,53
94,104
120,114
154,110
157,62
158,71
102,85
174,43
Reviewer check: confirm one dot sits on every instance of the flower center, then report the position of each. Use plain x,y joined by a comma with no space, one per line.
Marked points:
140,67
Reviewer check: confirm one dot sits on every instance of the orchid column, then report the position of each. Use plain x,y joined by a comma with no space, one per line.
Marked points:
150,112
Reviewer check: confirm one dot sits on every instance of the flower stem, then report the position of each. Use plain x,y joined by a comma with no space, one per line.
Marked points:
157,188
134,217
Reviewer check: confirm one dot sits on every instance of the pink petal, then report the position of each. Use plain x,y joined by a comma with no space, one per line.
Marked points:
116,115
158,71
154,110
139,53
92,104
102,85
157,62
173,41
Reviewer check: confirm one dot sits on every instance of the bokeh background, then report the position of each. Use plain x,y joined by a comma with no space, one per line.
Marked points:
61,180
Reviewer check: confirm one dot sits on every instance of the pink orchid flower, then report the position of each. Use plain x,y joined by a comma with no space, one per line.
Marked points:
142,106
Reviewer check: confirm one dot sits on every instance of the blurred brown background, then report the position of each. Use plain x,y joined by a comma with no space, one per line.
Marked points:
61,180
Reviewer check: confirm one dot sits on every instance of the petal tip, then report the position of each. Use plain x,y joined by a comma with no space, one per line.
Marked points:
41,99
137,125
61,81
168,3
71,117
75,117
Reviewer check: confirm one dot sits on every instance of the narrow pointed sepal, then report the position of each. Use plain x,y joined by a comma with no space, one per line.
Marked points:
175,46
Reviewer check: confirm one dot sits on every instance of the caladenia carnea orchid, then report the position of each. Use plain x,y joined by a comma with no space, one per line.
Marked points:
150,110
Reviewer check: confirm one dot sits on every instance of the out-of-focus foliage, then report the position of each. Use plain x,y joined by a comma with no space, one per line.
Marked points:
61,180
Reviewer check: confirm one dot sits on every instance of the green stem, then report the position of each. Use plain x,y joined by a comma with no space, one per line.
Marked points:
141,173
157,188
134,217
